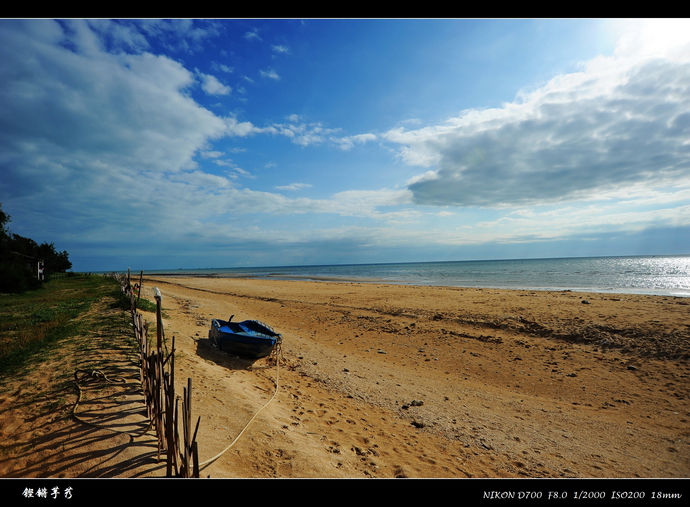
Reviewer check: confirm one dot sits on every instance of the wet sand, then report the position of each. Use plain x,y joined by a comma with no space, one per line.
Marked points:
383,380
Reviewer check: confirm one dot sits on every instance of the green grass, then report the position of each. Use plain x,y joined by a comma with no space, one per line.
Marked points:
32,323
147,306
124,302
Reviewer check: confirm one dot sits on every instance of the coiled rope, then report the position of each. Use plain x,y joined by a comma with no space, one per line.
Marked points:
99,375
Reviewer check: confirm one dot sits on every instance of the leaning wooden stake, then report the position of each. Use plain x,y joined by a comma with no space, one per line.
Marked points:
187,414
195,451
170,415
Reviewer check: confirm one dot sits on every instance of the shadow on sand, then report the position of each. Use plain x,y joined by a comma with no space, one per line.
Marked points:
207,351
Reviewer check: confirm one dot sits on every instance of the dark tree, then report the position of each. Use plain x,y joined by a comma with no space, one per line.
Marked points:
19,258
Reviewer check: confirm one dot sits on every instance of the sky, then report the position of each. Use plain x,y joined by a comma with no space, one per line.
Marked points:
163,144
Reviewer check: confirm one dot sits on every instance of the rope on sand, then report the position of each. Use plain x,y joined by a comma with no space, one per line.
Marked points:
278,356
99,375
96,374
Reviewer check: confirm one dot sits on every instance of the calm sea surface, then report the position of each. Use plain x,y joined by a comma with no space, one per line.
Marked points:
659,275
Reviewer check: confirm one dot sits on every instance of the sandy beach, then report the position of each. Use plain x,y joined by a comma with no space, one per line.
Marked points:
407,381
390,381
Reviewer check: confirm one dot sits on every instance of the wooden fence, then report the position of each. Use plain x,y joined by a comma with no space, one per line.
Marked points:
158,385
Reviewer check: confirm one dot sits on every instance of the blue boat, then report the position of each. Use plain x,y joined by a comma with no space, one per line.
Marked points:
250,338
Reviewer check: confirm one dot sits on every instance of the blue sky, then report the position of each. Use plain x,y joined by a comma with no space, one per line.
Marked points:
158,144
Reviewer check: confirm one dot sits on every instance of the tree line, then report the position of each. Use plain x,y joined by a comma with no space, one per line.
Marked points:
24,264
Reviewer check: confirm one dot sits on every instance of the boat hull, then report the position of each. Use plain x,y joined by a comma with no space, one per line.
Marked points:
250,338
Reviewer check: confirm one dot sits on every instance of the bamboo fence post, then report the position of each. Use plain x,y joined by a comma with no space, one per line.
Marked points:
195,457
187,409
160,430
183,457
176,439
159,319
160,392
169,414
158,386
195,450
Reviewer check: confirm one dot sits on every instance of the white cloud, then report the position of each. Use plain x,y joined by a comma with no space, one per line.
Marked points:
347,143
80,127
294,186
201,180
121,36
179,35
240,129
616,124
281,49
224,163
304,134
212,86
367,202
567,222
224,68
270,73
243,172
123,110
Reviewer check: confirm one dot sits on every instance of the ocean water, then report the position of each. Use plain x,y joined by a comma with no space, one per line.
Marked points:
656,275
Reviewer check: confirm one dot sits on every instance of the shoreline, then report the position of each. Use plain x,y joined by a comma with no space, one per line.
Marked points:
649,275
337,279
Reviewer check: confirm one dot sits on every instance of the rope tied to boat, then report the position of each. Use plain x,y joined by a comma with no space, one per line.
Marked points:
276,353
